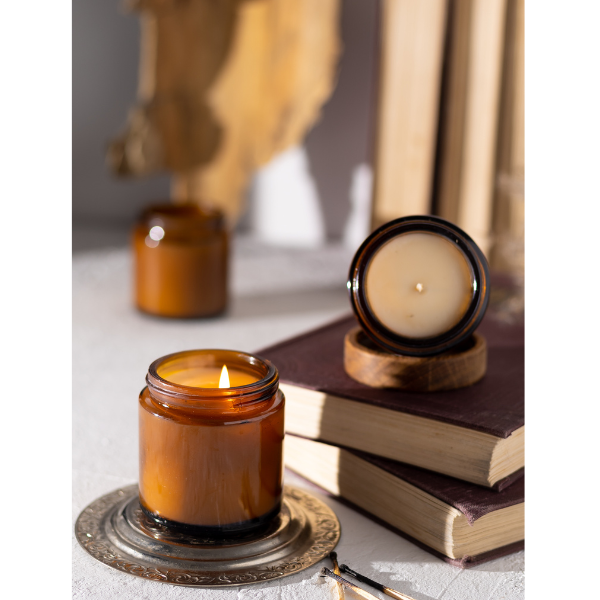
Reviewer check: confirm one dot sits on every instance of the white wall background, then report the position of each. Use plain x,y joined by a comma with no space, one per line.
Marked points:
322,173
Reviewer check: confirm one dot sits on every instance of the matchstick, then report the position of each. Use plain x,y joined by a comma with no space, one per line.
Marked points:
378,586
359,591
336,570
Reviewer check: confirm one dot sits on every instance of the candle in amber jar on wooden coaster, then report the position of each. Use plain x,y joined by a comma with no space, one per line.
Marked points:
211,442
419,285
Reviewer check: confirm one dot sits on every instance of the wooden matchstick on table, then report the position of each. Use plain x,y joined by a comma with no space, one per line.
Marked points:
378,586
336,570
359,591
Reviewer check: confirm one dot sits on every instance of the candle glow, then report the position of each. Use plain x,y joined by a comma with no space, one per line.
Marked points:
224,379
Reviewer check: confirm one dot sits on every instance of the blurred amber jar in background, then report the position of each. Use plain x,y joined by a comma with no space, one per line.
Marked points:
181,260
211,458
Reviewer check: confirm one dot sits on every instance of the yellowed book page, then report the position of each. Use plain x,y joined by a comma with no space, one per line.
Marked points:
462,453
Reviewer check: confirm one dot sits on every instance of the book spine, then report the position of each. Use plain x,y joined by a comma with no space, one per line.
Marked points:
509,209
472,99
412,44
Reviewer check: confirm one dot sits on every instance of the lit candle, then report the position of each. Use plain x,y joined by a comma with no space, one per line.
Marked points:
419,285
211,442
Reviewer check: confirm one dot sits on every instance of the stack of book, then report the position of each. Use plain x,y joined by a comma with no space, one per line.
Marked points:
445,469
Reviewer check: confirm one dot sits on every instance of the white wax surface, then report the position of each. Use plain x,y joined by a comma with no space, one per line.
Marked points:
419,285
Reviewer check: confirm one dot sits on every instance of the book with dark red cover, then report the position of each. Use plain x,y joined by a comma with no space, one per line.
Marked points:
471,500
474,501
494,406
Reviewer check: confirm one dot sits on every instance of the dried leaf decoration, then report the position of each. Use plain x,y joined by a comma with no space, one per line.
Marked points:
224,86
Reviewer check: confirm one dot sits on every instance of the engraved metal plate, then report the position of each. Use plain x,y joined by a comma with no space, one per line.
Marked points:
115,531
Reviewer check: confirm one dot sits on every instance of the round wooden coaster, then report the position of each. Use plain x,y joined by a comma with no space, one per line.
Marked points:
367,363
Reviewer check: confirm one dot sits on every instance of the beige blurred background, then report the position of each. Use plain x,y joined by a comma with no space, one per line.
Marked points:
336,152
306,122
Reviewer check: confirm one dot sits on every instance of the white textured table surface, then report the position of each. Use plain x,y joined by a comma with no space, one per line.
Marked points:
276,293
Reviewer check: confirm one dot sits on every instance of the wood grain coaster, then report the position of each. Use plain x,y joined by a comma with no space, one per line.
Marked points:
460,367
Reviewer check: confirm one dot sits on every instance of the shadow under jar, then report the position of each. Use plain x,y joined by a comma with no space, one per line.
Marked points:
181,261
211,458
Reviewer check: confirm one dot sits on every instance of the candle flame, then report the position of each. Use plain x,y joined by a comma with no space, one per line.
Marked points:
224,380
419,287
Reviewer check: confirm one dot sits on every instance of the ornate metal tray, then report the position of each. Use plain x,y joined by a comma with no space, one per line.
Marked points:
115,531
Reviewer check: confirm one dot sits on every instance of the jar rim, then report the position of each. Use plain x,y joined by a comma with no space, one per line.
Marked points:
172,215
251,392
385,337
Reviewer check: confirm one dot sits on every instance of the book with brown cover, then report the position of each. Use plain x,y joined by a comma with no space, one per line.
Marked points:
475,433
460,522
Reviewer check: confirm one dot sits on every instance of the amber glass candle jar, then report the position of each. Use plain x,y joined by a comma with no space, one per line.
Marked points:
419,286
210,456
181,259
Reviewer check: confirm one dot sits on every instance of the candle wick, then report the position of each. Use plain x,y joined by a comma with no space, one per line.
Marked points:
419,287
